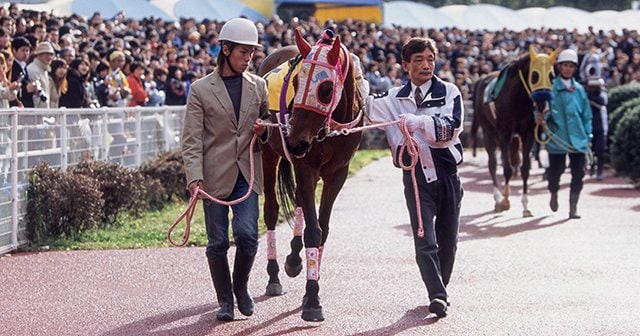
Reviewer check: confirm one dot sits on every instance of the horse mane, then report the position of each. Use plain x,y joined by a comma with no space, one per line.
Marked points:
520,63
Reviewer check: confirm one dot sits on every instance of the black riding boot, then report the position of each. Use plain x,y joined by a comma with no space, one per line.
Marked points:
219,268
573,205
241,270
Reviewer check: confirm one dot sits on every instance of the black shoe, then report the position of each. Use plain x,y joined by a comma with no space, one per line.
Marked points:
553,203
225,313
438,307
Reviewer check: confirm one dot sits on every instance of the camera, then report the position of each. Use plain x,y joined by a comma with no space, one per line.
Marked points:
39,93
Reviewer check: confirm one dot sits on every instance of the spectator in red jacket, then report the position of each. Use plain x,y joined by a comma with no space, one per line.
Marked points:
138,93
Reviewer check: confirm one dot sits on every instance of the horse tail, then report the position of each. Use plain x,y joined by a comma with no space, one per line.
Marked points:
286,189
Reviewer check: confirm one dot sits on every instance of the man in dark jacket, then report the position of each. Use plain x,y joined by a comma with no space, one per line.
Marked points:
21,48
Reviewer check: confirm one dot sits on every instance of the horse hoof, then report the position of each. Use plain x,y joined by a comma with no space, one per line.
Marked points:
505,206
312,314
291,271
527,214
498,207
274,289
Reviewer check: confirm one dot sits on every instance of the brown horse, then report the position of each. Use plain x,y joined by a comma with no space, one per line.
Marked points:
325,94
511,120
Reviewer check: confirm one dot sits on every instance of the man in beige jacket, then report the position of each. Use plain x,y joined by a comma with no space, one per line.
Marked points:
222,116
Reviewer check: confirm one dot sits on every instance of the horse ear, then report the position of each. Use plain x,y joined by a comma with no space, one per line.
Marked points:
553,56
302,44
532,53
334,54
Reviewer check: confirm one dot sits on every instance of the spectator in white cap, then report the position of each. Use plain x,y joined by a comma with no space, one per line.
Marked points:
38,73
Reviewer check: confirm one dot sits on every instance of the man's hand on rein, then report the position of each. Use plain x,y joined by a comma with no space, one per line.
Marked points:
259,128
193,185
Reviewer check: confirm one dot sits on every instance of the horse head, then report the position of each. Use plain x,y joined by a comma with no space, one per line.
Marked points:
319,89
591,69
540,79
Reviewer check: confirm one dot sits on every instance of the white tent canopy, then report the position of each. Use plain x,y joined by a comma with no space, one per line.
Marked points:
494,17
413,14
405,14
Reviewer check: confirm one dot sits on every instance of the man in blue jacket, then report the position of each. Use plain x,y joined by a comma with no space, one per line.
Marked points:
571,130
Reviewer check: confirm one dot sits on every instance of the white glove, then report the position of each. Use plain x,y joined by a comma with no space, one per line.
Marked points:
412,121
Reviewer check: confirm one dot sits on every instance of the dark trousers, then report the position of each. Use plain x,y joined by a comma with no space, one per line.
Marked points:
557,165
440,211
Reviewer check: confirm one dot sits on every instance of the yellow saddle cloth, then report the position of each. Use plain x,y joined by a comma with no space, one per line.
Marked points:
275,80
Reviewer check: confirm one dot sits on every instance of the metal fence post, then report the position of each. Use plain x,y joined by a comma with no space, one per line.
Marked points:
138,113
166,129
14,178
105,135
64,138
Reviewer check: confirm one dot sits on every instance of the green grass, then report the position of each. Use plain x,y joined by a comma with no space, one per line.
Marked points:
150,230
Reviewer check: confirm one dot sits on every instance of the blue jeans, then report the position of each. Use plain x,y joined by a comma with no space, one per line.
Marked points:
244,223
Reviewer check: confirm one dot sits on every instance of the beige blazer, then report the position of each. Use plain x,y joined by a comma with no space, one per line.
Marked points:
215,146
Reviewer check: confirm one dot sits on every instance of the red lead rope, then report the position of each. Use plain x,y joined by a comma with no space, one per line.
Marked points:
200,193
410,145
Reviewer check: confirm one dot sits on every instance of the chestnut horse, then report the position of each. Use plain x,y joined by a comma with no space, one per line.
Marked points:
525,95
325,94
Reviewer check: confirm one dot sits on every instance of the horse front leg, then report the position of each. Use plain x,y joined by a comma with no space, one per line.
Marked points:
270,210
505,146
311,308
293,264
524,172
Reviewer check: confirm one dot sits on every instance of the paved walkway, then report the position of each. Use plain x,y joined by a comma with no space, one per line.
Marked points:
544,275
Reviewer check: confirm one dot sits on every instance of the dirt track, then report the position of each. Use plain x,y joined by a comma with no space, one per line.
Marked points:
544,275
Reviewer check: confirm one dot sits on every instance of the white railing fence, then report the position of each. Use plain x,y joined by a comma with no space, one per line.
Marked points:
65,137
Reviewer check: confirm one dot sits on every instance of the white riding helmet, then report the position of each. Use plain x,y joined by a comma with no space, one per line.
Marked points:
568,55
240,31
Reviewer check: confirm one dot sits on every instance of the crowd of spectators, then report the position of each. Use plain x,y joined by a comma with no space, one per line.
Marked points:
75,61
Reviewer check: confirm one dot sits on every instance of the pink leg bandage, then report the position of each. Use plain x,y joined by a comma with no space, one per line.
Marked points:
298,222
271,245
312,263
320,251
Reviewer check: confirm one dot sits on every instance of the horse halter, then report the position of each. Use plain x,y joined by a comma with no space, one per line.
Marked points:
321,63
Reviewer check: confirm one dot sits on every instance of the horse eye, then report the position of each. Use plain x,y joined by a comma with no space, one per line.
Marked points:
325,92
535,77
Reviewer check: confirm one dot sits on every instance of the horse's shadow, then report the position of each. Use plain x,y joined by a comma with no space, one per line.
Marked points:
154,325
484,230
489,228
206,324
416,317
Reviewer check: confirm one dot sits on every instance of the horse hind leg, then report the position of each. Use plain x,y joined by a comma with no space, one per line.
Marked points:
293,264
274,287
505,204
